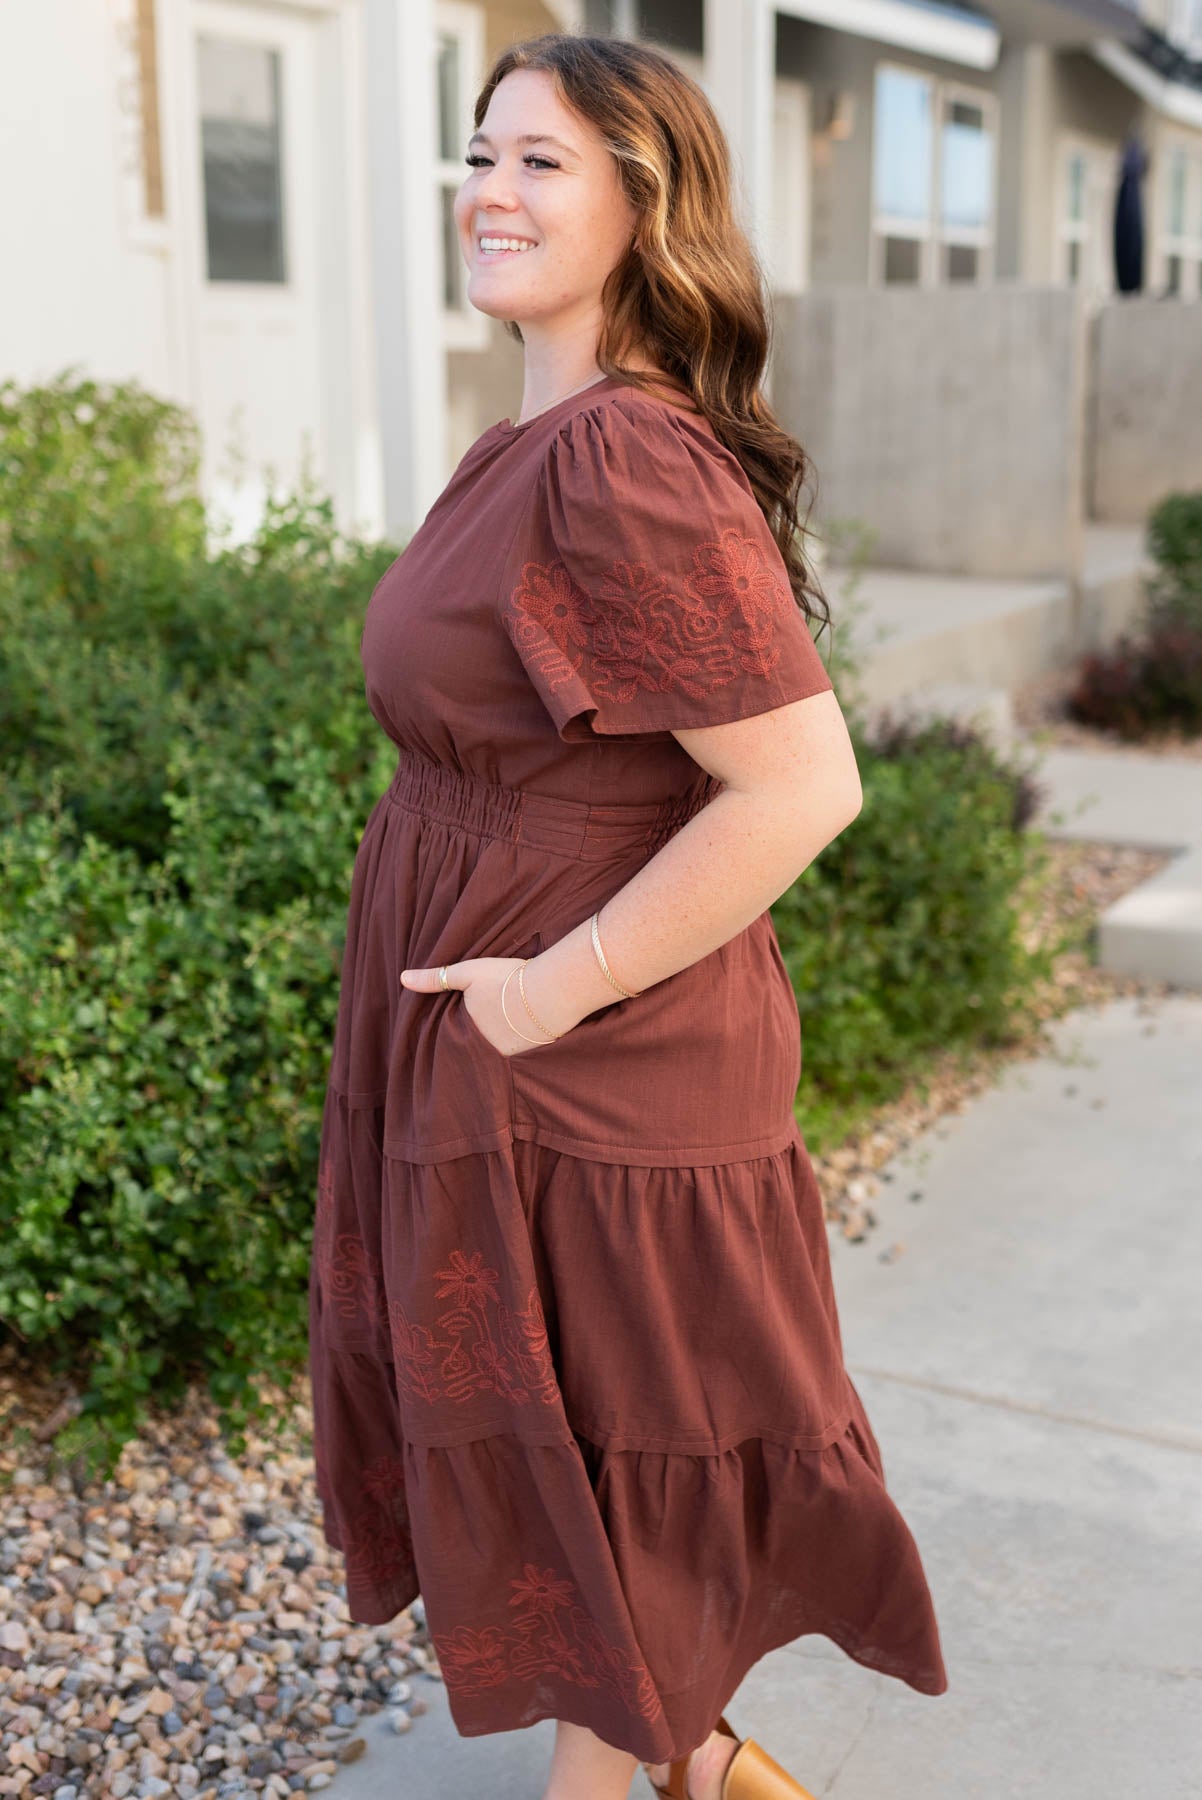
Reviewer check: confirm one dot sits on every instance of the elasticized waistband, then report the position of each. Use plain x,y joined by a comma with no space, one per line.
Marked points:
571,828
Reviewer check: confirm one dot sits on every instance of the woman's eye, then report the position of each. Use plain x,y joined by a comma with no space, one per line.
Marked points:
545,162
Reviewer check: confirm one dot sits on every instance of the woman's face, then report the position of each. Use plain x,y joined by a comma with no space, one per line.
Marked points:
562,198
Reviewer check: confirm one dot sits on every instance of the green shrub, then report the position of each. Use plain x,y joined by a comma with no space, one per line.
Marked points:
114,648
905,937
164,1039
1175,541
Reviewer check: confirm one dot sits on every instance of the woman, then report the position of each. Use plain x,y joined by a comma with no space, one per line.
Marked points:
577,1371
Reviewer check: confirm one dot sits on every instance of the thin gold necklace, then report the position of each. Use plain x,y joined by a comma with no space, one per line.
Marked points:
591,382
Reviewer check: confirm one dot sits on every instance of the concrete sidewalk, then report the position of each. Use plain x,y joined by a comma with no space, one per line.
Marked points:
1024,1328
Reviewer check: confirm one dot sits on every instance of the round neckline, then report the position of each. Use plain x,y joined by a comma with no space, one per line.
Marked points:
581,398
582,394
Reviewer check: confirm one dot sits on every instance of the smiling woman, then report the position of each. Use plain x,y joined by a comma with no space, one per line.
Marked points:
576,1359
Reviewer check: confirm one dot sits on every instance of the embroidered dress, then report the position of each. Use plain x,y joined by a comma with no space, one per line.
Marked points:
576,1363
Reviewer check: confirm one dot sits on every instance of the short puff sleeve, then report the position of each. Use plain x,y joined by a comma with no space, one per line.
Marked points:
645,591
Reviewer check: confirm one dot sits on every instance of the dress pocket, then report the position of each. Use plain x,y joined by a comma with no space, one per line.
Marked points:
528,949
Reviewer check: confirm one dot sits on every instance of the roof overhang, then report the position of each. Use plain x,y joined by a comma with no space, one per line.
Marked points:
951,32
1067,24
1172,99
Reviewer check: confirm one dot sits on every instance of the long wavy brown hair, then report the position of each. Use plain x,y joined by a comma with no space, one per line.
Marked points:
689,295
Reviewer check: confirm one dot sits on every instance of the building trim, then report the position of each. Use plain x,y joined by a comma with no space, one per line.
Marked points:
1169,98
950,32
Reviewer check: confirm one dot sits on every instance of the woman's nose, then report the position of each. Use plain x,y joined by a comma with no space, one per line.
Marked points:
494,186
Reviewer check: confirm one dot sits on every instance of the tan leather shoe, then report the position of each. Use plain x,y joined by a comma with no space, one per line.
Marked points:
751,1775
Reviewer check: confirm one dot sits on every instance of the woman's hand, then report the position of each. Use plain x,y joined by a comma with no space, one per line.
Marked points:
481,978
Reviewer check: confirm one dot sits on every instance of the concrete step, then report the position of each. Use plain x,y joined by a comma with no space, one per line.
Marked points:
908,631
1155,931
1151,803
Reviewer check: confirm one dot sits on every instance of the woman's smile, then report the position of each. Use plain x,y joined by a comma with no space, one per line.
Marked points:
493,246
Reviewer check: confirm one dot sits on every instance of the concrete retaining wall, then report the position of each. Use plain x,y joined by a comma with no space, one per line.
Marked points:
950,421
1145,436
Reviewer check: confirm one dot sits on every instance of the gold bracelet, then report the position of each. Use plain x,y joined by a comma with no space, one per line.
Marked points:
529,1008
605,968
505,1009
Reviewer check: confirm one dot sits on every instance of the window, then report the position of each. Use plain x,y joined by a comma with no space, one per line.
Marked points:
1074,226
457,79
933,180
239,88
1178,265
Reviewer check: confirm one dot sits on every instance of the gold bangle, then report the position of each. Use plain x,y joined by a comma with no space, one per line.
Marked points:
605,968
506,1010
522,991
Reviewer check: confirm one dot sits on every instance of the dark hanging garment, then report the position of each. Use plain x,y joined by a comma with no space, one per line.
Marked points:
1129,221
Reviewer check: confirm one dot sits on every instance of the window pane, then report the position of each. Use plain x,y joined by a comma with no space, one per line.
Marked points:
448,98
240,143
452,256
1173,275
1177,193
962,262
902,146
903,260
966,184
1076,186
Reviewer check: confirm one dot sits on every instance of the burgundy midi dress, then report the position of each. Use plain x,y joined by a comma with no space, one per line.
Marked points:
576,1364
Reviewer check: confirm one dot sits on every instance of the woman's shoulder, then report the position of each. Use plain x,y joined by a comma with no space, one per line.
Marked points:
628,405
630,435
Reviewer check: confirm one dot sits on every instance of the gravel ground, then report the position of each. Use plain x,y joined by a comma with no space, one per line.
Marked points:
180,1629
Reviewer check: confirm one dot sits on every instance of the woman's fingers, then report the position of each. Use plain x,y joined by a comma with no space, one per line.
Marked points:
427,981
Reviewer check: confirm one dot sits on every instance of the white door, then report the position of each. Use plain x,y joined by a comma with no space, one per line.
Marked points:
253,101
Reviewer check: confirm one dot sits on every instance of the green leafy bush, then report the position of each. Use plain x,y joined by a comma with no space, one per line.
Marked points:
1175,541
906,936
188,764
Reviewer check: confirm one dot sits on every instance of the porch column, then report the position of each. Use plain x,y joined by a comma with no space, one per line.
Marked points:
400,47
740,79
1039,179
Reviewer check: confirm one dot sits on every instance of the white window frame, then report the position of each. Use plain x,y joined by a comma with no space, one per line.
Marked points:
935,237
1095,152
463,328
1167,243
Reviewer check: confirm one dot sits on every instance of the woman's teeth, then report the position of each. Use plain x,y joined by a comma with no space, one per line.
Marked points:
495,246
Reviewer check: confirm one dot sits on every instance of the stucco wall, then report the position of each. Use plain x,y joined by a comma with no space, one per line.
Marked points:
1146,426
948,421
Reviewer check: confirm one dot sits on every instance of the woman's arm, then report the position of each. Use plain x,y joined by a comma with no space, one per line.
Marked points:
791,786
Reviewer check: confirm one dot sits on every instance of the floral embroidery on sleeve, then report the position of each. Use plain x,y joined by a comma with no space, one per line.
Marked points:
645,634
